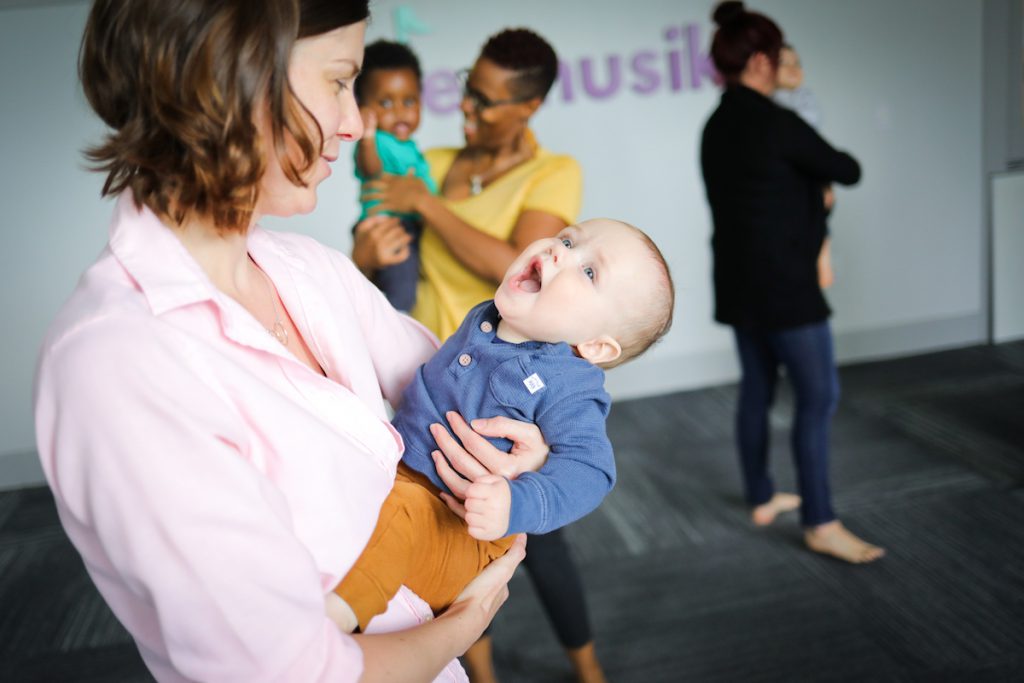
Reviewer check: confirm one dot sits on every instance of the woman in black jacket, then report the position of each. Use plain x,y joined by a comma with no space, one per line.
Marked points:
764,169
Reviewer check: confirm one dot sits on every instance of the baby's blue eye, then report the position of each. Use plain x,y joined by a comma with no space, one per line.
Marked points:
386,103
589,272
567,242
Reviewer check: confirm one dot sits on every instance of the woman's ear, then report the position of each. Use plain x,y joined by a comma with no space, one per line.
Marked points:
763,64
599,351
531,106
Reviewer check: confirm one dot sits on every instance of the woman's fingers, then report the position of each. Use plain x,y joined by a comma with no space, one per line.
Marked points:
373,189
490,587
450,477
480,448
525,433
454,504
463,462
529,450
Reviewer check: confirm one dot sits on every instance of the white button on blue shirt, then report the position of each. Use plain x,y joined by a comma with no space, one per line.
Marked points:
465,359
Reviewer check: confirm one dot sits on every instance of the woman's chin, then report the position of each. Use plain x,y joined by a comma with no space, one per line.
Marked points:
294,206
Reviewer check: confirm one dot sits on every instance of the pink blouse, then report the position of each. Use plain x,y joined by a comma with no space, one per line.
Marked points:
215,486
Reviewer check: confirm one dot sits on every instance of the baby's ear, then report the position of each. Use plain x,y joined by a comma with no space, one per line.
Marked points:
598,351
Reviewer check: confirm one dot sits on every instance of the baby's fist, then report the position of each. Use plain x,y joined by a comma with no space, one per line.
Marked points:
369,121
488,506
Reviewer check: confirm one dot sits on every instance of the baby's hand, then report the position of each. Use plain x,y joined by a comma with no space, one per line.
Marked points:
488,505
369,121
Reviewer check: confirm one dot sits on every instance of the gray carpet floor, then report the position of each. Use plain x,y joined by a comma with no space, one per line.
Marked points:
928,461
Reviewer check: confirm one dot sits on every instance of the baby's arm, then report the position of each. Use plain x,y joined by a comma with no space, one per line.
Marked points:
486,504
578,474
368,161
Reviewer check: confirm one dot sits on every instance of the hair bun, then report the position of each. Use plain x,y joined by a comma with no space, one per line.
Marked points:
728,11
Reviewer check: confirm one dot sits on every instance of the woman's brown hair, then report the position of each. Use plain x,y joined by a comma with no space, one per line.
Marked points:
181,84
740,35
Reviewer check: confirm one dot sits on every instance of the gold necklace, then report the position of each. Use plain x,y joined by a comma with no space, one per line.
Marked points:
525,152
278,331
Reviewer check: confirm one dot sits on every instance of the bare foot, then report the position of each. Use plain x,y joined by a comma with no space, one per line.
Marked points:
584,661
836,540
765,513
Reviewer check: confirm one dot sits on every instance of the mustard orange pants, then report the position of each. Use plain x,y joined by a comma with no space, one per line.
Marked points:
420,543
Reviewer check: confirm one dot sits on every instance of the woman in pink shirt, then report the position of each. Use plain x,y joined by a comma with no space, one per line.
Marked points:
210,401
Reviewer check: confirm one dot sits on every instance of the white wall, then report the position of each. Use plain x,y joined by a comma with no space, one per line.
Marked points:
1008,257
899,84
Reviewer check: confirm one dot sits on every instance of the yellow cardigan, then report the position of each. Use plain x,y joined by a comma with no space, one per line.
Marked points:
447,290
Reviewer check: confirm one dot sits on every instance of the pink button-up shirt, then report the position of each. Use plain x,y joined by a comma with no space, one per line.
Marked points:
215,486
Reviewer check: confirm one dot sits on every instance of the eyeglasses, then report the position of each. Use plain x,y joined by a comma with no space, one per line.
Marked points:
476,98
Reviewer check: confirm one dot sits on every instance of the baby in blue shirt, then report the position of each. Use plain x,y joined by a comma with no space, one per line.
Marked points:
569,307
388,91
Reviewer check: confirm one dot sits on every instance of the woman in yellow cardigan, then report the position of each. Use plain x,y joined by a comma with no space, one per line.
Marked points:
498,193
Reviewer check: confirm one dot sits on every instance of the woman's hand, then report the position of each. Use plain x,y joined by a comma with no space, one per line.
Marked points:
828,197
478,474
482,596
397,193
477,457
419,653
379,241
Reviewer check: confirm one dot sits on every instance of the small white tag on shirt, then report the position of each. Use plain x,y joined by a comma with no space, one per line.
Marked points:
534,383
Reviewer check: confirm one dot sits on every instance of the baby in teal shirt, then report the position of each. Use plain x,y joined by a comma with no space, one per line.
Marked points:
388,90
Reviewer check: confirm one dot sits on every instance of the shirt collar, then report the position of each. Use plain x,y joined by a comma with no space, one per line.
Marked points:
161,265
489,314
166,273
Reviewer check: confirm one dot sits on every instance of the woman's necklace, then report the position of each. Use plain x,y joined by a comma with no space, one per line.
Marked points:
525,151
278,331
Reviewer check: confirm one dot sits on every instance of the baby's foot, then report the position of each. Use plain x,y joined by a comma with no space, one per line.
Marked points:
340,613
765,513
836,540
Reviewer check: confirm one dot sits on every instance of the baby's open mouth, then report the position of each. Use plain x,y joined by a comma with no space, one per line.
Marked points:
530,279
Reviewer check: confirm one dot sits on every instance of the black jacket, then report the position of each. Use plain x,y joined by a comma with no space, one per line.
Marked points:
764,170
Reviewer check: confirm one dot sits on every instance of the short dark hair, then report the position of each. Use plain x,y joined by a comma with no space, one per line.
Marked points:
179,83
740,35
382,55
523,51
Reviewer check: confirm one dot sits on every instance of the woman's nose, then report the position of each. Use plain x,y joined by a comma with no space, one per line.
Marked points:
350,125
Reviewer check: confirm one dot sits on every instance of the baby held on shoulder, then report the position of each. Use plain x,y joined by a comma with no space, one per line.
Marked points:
593,297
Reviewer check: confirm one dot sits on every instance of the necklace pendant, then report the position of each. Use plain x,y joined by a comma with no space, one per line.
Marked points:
476,184
279,333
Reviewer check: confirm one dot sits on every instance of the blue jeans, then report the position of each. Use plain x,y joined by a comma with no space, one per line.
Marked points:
806,353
